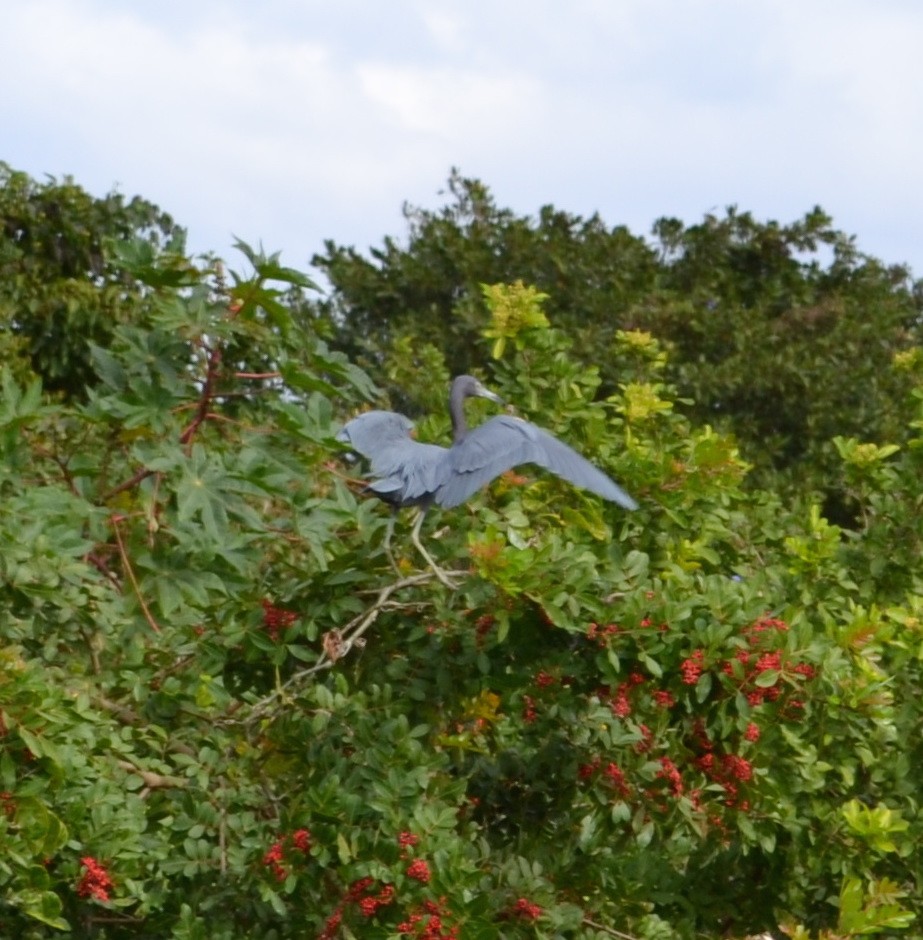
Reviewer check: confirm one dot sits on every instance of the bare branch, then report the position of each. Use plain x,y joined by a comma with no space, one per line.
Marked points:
609,930
340,641
148,616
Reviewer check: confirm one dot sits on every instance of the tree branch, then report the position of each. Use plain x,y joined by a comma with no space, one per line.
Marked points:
152,780
205,399
148,616
142,474
337,643
609,930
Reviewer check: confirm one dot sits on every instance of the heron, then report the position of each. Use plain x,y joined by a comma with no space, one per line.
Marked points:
406,472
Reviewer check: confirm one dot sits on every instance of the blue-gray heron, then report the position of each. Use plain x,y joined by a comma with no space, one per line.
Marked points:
405,472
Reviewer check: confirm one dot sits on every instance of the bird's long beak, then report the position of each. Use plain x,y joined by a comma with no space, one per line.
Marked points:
483,392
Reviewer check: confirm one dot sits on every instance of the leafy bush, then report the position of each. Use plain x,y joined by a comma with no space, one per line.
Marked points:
224,714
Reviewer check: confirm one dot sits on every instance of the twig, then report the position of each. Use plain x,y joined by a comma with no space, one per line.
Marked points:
148,616
152,524
152,780
97,561
609,930
212,364
340,642
223,839
142,474
61,464
113,919
122,712
94,655
212,367
359,624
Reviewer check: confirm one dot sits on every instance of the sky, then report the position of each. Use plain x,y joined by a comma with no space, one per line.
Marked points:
290,122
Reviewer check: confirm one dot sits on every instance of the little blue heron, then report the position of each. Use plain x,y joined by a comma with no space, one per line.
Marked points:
405,472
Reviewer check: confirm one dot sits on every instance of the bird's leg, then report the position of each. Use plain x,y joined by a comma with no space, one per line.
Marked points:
389,531
415,535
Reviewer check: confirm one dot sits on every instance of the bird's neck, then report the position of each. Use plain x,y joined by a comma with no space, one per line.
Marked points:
457,413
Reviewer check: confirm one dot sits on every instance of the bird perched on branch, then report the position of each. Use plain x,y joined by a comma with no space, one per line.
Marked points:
404,472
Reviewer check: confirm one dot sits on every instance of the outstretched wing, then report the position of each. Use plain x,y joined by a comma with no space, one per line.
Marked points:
505,442
404,472
372,432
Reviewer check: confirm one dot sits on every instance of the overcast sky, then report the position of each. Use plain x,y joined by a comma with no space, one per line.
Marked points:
293,121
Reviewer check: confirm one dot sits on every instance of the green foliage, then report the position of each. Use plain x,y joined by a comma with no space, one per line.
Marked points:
223,714
788,333
63,280
432,288
783,335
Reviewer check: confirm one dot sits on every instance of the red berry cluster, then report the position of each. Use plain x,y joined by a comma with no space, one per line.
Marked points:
619,697
663,698
370,903
647,740
670,772
275,856
647,623
418,869
366,896
761,672
693,667
611,773
427,922
751,668
275,619
482,626
543,681
727,770
406,840
765,625
525,909
616,776
601,634
95,882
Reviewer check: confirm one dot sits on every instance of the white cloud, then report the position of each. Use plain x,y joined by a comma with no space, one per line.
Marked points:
447,29
866,76
294,122
451,103
223,123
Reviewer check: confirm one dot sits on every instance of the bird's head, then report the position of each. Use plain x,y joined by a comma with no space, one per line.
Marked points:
467,386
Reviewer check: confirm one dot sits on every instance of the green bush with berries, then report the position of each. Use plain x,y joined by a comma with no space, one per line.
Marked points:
224,714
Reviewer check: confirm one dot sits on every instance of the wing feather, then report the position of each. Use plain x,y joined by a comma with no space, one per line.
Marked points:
403,471
505,442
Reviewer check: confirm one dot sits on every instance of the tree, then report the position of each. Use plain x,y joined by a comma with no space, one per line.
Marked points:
431,289
223,714
782,335
64,284
780,346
